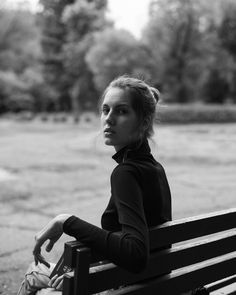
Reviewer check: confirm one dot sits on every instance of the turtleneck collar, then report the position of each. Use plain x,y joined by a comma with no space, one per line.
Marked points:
131,151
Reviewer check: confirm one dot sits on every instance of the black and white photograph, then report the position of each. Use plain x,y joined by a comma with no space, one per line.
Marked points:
117,147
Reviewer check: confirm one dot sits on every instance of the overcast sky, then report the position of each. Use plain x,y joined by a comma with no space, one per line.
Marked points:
128,14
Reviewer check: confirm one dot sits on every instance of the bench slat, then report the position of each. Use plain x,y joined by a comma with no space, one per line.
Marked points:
185,279
220,284
190,228
227,290
109,276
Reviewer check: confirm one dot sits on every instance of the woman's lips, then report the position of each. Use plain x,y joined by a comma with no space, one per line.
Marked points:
109,132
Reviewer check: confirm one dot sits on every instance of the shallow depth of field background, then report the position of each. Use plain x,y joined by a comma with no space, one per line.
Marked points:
48,168
57,57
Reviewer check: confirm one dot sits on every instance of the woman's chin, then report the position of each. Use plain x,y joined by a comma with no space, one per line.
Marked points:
107,141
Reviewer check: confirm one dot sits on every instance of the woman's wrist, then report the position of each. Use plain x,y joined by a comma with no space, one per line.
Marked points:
61,218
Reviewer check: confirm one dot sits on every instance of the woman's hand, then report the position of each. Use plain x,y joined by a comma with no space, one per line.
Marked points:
56,282
52,232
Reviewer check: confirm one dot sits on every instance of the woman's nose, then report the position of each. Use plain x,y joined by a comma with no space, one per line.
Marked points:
110,118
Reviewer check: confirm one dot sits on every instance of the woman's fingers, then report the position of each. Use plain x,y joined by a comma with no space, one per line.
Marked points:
37,255
38,243
59,286
52,231
40,259
56,282
36,260
52,281
50,245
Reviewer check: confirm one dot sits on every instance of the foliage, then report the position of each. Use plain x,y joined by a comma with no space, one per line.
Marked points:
21,92
18,40
116,52
19,52
227,35
63,57
53,38
227,31
183,36
216,87
9,85
173,29
67,34
83,19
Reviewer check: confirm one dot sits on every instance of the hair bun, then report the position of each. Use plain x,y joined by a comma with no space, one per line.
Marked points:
155,93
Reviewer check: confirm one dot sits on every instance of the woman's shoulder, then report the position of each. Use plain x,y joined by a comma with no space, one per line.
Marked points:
139,168
125,166
125,169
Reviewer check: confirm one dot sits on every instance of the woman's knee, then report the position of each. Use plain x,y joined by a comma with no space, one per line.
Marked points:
37,276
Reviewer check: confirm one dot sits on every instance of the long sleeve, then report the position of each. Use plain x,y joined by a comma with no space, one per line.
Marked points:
129,247
128,198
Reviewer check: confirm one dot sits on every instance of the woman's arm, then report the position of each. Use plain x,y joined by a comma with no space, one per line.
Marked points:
128,197
128,248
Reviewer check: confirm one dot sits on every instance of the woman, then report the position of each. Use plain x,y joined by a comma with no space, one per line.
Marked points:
140,194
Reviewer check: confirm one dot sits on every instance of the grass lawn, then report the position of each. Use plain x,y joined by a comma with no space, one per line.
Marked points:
47,168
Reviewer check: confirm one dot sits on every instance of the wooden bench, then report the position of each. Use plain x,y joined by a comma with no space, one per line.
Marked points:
203,253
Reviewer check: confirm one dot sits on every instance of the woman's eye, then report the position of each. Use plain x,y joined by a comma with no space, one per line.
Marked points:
122,111
105,111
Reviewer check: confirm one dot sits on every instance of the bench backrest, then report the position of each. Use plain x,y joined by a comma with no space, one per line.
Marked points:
173,270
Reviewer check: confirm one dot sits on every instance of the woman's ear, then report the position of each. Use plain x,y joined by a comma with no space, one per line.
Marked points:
146,124
143,127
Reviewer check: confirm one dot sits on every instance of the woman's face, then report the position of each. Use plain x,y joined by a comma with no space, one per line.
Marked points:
118,118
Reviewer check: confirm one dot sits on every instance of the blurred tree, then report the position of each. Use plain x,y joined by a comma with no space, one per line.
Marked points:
227,35
83,19
216,87
174,36
116,52
227,31
36,87
18,40
67,34
52,41
14,93
19,51
183,37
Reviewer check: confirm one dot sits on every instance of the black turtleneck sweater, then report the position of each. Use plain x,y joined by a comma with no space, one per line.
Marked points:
140,198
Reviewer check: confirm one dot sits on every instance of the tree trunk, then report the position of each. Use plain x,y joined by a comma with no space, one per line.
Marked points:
76,109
